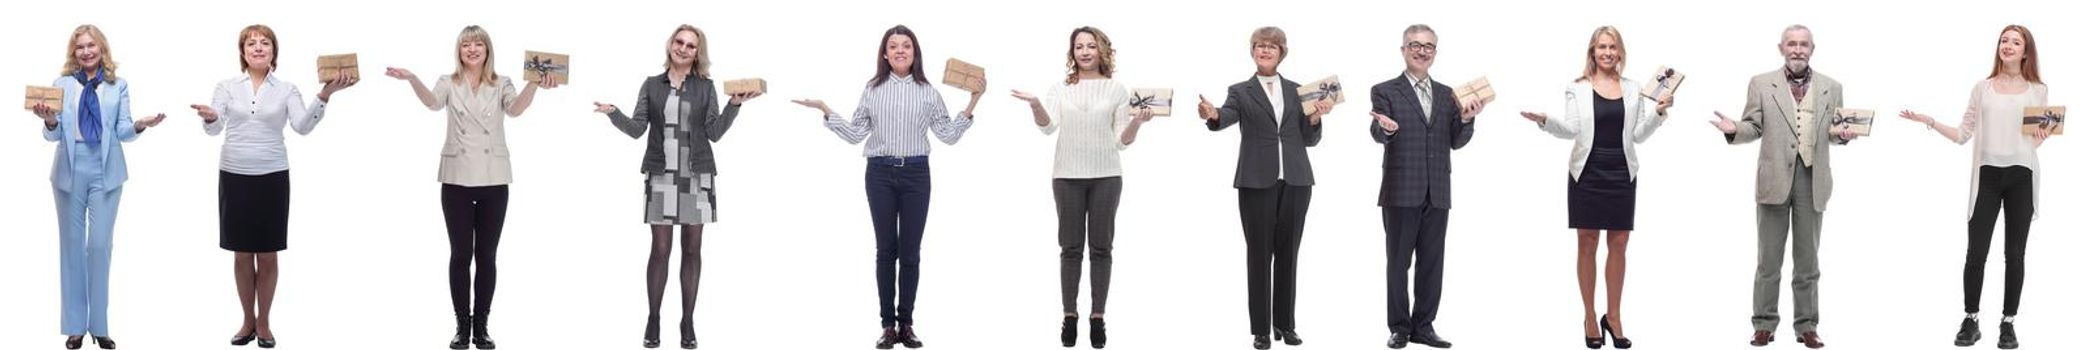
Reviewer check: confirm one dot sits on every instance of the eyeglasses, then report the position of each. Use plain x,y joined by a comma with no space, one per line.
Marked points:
1421,46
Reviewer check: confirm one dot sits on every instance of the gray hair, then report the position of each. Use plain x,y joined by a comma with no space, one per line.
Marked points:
1418,28
1796,27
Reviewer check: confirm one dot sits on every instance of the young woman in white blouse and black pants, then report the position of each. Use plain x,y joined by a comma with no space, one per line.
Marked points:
2006,173
1095,120
254,176
475,172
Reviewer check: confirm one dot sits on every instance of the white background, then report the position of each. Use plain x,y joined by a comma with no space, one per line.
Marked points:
789,263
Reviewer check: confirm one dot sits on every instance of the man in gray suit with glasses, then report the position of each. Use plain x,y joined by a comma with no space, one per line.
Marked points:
1418,121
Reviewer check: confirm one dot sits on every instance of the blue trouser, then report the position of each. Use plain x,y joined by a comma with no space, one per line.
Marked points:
86,219
898,189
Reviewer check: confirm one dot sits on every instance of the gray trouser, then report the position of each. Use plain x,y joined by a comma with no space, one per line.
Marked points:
1800,214
1088,210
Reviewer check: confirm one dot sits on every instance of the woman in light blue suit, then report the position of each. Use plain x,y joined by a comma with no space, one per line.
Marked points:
87,177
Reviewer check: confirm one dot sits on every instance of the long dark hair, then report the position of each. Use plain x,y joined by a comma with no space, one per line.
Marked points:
886,69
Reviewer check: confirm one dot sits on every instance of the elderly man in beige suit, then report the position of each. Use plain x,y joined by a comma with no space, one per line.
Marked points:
1790,109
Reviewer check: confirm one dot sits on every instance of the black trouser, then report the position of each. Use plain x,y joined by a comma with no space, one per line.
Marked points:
474,216
2008,190
1272,221
1416,232
1088,211
898,191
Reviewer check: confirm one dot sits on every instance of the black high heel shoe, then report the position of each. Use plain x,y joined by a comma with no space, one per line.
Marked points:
1067,333
1604,324
105,342
652,332
689,333
74,342
242,340
1096,333
265,343
1593,342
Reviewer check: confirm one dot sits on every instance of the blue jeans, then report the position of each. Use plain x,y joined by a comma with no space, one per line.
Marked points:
898,189
86,221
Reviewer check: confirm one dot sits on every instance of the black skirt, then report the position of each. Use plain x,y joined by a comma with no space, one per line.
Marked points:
1603,198
253,211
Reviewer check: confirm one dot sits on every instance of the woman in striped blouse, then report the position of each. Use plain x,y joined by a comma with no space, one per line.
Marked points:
897,107
1086,183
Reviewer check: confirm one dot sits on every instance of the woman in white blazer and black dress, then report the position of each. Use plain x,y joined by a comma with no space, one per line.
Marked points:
1605,117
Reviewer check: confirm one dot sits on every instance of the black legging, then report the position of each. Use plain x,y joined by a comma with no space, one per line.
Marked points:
474,216
2010,191
657,275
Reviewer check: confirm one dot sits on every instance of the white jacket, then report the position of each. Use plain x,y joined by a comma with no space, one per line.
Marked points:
1577,123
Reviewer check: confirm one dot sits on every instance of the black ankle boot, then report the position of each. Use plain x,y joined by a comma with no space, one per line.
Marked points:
464,333
1067,334
479,337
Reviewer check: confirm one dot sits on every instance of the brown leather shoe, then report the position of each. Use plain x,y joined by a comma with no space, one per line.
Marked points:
1761,338
1813,340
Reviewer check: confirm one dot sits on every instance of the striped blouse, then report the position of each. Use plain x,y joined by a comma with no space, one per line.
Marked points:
893,115
1089,115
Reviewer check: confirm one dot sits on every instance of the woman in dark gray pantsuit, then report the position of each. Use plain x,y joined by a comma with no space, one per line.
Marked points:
682,112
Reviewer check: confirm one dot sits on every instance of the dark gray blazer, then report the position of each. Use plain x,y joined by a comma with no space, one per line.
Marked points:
1417,159
702,120
1262,139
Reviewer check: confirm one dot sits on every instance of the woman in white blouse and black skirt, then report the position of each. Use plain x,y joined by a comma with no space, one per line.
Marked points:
254,171
2006,174
899,107
682,112
475,172
1095,119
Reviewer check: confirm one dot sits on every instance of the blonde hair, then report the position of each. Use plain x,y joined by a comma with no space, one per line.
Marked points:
1106,57
475,33
2029,66
703,64
275,47
1590,69
72,62
1273,36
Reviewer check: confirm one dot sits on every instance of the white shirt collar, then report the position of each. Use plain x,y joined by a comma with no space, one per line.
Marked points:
1412,79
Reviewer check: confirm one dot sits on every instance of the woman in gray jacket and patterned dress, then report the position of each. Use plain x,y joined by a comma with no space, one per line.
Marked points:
682,111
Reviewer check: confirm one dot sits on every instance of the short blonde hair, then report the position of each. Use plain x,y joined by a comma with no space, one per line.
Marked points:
1590,69
275,46
72,62
474,33
1271,35
703,64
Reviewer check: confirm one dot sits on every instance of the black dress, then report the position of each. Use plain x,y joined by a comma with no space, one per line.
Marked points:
1603,198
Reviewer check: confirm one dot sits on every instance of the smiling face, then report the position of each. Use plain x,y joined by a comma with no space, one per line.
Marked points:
1267,56
1606,53
87,53
472,53
899,53
1087,52
1798,48
682,49
2010,48
258,51
1420,50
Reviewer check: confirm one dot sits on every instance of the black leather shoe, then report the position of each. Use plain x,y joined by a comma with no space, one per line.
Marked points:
1096,333
1604,324
1262,342
242,340
689,333
1067,331
1429,339
2008,340
480,338
105,342
261,342
1397,341
908,339
887,339
652,335
1969,332
464,333
73,342
1289,337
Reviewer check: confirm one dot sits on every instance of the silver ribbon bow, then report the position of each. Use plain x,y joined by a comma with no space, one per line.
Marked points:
1326,90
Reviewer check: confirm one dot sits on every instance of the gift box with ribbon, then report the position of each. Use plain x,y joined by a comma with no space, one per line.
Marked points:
964,76
1857,120
1157,100
1663,85
1476,90
2051,118
537,65
747,86
331,67
1325,89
